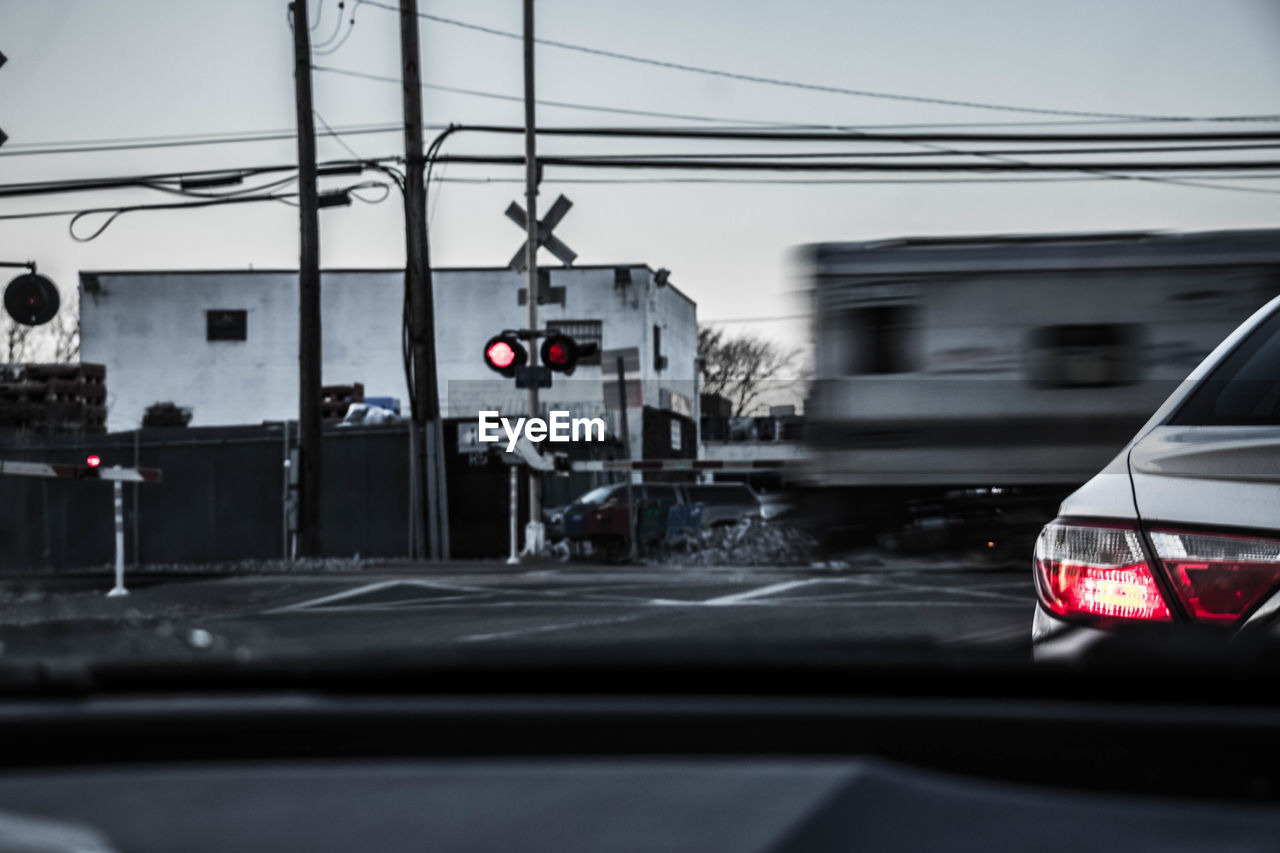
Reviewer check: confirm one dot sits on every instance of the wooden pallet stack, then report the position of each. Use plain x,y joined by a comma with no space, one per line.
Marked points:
53,397
335,399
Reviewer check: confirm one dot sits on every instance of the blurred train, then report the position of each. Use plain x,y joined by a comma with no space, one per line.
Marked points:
964,385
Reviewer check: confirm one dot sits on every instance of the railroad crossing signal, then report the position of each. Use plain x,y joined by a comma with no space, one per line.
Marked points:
545,238
31,299
504,353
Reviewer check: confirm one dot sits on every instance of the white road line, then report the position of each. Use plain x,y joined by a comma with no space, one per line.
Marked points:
365,589
542,629
772,589
994,635
916,587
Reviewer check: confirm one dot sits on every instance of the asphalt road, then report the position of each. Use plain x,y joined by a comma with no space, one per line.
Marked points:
486,604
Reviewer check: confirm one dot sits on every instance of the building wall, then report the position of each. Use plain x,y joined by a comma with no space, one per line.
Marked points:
149,329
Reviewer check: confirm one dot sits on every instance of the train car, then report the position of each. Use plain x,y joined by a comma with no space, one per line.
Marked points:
1005,370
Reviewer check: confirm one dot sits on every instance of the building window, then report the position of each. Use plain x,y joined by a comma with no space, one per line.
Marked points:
226,325
584,332
1082,356
880,339
659,360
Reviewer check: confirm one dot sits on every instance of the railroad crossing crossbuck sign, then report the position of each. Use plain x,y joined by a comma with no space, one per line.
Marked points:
545,238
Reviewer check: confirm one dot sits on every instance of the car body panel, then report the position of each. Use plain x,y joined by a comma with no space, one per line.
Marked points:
1198,476
1209,476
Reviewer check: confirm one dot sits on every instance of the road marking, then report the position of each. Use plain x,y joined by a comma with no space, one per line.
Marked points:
940,588
542,629
994,635
771,589
365,589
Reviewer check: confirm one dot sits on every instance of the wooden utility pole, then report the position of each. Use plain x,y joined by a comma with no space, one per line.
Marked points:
429,461
531,246
309,379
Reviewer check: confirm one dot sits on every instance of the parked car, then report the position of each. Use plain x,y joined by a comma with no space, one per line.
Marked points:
1184,525
724,503
600,515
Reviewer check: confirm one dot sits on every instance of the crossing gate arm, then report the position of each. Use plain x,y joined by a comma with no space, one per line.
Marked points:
681,465
79,472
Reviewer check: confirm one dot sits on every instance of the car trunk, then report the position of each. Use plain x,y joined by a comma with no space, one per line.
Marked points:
1208,476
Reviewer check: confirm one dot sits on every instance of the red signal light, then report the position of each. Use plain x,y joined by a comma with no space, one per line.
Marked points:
501,354
557,353
560,353
93,461
504,353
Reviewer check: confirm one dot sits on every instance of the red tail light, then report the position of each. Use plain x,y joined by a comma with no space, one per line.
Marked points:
1218,578
1087,570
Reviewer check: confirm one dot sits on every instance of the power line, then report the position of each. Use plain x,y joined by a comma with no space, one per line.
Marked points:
568,105
941,152
826,181
142,143
872,166
814,87
134,143
147,181
335,135
328,46
820,135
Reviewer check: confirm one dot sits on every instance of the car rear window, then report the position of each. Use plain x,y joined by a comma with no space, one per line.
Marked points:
724,495
660,493
1244,389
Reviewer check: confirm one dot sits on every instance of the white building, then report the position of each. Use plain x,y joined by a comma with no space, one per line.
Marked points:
225,342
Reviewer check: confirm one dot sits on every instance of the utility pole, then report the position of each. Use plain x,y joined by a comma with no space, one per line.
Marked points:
429,460
309,379
533,542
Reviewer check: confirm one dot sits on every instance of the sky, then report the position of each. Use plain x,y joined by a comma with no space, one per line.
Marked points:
92,69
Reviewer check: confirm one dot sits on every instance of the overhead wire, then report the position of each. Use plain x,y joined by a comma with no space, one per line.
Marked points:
819,181
871,166
332,134
329,47
816,87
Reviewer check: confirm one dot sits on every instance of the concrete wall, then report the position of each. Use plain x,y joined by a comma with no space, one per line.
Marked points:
149,329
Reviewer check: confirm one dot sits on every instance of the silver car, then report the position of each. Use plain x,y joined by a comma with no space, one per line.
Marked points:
1184,524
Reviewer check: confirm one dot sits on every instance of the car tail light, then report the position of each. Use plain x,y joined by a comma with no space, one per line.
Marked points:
1090,570
1218,578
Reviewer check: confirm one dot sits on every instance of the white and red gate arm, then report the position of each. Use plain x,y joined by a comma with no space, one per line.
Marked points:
681,465
58,470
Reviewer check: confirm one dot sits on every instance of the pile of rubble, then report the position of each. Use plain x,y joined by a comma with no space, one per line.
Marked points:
750,542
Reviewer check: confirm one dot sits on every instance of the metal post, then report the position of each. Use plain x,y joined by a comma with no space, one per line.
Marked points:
137,463
117,489
442,491
625,432
515,517
309,347
415,477
531,259
284,495
426,411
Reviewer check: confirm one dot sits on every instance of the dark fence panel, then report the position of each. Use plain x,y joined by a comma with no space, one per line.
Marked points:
222,497
365,510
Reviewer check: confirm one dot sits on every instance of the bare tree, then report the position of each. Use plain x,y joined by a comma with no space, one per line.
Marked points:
15,338
741,368
65,332
59,338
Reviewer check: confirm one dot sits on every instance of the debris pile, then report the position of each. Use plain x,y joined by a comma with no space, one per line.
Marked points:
750,542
